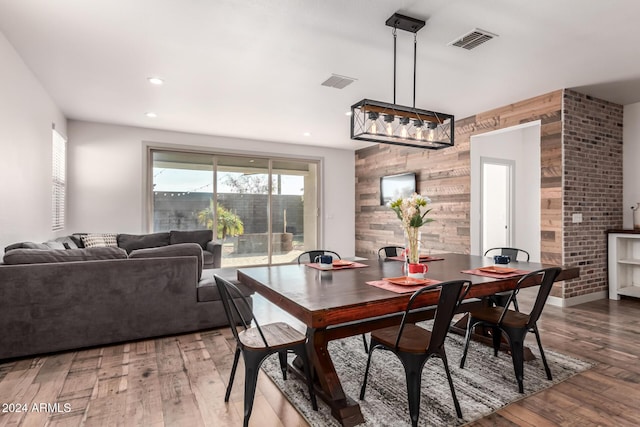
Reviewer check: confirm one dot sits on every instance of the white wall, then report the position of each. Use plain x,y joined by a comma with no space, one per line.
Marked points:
631,161
26,117
522,145
105,178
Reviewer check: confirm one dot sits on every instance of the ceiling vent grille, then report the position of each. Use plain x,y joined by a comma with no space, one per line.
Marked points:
337,81
473,39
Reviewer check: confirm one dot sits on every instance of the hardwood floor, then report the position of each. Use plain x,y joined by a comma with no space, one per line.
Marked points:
181,380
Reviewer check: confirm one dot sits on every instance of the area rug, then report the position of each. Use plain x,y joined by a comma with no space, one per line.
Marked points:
485,385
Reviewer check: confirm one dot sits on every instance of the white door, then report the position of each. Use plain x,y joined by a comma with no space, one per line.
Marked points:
496,196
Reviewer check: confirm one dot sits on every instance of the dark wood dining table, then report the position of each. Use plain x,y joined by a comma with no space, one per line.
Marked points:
338,304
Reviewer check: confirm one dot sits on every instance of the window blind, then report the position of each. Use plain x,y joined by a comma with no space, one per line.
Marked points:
58,181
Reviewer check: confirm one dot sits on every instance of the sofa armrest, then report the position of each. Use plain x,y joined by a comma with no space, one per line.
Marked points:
215,248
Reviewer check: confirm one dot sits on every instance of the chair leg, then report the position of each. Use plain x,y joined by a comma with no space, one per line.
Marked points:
366,371
467,338
413,372
252,362
542,356
496,335
364,341
443,356
516,342
515,304
282,355
233,374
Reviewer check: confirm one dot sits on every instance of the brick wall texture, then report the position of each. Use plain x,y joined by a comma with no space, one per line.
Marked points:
592,173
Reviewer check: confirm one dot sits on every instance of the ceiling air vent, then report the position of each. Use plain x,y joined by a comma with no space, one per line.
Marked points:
338,81
473,39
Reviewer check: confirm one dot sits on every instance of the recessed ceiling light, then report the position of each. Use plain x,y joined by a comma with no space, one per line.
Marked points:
307,134
151,114
348,113
155,80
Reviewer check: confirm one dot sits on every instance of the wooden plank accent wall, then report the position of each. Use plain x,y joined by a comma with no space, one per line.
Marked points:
445,176
586,131
592,140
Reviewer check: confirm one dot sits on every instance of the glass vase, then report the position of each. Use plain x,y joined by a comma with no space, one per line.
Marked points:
412,237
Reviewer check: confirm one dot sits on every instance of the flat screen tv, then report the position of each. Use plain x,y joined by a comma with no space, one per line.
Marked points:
393,187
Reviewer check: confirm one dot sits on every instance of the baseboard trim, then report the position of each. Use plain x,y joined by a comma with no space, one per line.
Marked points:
580,299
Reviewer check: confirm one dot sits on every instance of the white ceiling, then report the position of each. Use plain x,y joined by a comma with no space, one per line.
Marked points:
253,68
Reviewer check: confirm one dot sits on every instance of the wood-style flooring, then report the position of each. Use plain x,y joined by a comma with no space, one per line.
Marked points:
181,380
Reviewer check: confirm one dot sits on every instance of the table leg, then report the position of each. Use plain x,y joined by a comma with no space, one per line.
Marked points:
328,386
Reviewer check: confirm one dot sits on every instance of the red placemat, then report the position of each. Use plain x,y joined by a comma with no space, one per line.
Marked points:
423,258
400,289
342,267
477,272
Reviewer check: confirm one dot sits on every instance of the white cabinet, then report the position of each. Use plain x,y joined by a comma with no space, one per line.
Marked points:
624,264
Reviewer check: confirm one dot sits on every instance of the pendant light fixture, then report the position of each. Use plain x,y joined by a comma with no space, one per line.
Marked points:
387,123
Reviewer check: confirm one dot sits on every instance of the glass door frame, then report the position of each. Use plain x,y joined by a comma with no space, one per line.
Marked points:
147,183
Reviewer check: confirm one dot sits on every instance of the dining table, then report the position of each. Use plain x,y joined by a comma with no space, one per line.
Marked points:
352,299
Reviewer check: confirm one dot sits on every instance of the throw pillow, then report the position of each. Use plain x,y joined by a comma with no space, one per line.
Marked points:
130,242
94,240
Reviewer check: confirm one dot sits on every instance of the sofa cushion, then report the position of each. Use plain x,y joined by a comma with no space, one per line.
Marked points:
26,245
39,256
208,289
54,244
130,242
99,240
201,237
207,258
181,249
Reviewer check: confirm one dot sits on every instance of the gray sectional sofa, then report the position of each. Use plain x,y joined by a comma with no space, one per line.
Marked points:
211,249
61,299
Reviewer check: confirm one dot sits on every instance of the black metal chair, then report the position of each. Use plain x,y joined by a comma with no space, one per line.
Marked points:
310,256
514,253
515,324
257,343
389,251
415,345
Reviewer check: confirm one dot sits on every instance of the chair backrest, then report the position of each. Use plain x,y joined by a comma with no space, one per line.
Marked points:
388,251
231,296
310,256
451,293
512,253
545,277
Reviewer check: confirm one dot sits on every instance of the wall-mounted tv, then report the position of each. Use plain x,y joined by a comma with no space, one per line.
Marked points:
393,187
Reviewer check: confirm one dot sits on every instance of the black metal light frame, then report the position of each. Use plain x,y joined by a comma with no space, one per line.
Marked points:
440,125
389,123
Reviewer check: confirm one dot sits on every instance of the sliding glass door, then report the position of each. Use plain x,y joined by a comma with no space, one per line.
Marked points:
263,210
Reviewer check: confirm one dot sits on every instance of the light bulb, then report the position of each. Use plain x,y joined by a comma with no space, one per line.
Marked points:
431,133
373,117
389,118
418,125
404,121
